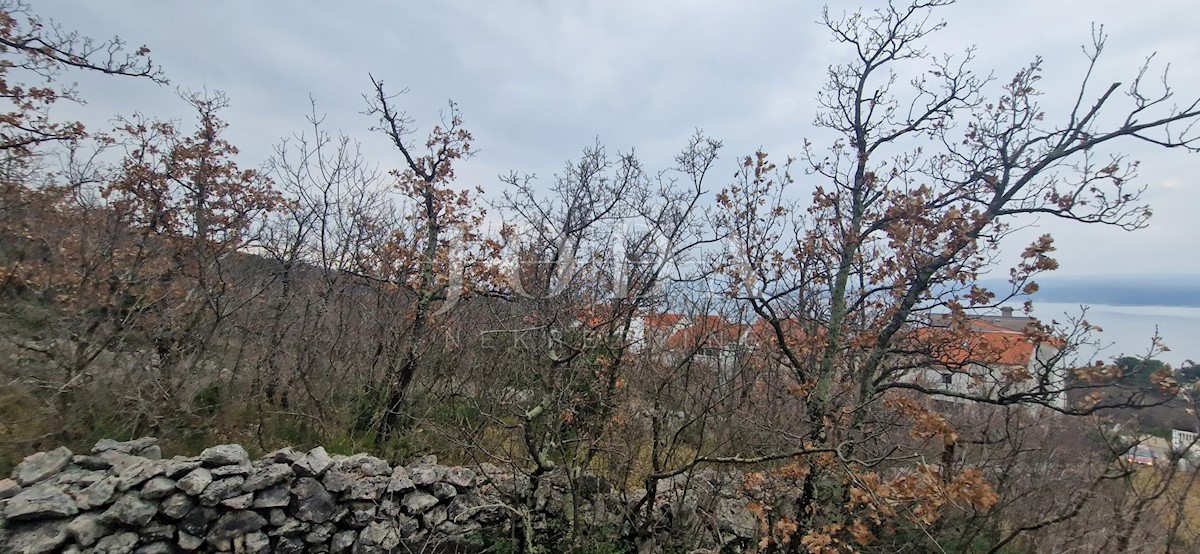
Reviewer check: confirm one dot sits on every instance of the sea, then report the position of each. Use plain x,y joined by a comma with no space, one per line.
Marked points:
1128,330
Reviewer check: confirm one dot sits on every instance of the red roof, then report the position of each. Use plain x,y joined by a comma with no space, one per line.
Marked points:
706,331
662,322
984,343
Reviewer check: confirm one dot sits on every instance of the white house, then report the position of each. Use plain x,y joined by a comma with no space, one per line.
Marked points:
1185,444
994,358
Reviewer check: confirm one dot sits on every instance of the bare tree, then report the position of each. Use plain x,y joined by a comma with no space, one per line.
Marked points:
39,50
593,255
440,242
909,206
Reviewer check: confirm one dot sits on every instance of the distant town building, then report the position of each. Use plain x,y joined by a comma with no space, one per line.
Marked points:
997,357
1184,444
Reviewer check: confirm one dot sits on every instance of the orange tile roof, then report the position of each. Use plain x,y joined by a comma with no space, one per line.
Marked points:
762,331
707,331
985,343
664,321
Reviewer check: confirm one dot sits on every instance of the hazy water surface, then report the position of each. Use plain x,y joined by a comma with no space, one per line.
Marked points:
1128,329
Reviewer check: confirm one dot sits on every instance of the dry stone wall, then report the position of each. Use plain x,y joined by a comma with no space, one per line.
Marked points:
123,497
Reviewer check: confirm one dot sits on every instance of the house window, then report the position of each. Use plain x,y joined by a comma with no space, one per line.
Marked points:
947,378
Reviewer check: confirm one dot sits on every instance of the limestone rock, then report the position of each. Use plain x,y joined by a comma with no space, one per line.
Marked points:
337,481
466,507
195,481
120,543
442,490
96,494
320,533
73,478
152,452
400,484
399,481
314,464
255,542
290,528
8,488
158,487
313,503
179,466
291,545
434,517
364,465
40,501
104,445
276,517
220,501
157,531
177,505
450,529
408,526
146,447
118,462
94,463
231,470
239,502
36,538
287,455
389,508
274,497
224,455
188,541
368,488
87,528
131,510
379,536
196,522
360,514
155,548
417,502
138,471
36,468
425,474
460,477
503,481
234,524
217,491
342,542
340,513
734,518
81,477
267,476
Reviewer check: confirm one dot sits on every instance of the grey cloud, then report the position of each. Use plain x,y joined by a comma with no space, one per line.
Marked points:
539,80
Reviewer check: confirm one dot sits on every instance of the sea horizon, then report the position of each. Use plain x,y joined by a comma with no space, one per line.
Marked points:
1128,329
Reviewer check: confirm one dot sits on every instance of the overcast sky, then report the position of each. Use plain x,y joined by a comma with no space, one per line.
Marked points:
539,80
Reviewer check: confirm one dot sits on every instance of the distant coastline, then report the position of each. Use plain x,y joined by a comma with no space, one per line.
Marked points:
1127,330
1129,308
1116,290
